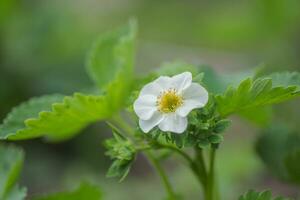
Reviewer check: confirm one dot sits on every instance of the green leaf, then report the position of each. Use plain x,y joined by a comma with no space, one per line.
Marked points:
54,116
265,195
84,192
29,110
110,63
261,116
251,94
283,79
292,164
11,161
217,83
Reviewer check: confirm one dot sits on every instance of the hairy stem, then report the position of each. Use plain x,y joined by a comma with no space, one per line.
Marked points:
211,185
199,168
162,174
182,153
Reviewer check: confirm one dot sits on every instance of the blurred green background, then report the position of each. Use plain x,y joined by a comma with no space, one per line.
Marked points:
43,45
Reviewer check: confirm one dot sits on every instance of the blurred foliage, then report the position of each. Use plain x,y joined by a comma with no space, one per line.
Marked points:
266,195
83,192
11,162
43,46
278,147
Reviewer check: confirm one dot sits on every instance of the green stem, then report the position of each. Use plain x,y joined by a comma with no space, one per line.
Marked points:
211,185
162,174
123,125
199,168
182,153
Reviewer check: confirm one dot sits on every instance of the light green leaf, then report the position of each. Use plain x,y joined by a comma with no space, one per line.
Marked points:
252,94
11,161
265,195
283,79
84,192
110,63
16,193
54,116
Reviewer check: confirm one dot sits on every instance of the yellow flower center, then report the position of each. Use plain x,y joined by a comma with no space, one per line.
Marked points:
168,101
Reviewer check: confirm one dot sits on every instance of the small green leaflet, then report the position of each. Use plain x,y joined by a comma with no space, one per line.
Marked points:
56,120
11,161
254,93
122,152
265,195
84,192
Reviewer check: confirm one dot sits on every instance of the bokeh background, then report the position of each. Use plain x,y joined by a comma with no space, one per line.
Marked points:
43,46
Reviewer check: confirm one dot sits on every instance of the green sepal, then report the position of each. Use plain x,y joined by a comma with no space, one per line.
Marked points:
221,125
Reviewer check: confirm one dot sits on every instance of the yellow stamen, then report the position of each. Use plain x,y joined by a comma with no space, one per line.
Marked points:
168,101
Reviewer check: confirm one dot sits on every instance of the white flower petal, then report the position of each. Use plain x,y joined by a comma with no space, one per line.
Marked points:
152,88
182,81
173,123
164,82
147,125
145,106
194,96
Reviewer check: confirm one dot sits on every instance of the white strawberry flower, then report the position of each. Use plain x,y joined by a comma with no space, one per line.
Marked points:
167,101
